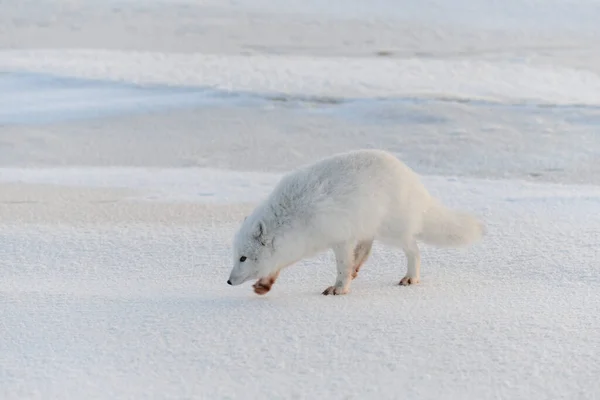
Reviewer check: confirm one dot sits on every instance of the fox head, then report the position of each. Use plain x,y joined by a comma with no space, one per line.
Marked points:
253,252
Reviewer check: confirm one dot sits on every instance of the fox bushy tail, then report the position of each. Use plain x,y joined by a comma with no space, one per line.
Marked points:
450,228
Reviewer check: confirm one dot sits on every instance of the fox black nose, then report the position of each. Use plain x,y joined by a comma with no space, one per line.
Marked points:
229,281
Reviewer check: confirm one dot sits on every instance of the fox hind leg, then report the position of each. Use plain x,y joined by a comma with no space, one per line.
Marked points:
413,268
362,251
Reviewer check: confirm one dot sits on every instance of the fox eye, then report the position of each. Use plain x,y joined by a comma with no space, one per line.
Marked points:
242,258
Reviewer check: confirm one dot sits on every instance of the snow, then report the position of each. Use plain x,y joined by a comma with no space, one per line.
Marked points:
464,80
135,135
37,98
120,298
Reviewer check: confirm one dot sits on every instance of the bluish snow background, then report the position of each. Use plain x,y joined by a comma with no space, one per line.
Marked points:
135,135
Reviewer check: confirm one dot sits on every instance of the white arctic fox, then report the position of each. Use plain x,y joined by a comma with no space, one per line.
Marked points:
345,202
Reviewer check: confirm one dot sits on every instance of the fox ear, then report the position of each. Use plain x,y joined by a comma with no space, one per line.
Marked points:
259,232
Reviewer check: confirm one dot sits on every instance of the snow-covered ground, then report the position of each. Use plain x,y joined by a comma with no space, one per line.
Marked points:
135,135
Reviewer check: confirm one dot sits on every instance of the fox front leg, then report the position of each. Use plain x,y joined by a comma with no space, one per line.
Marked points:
263,285
344,259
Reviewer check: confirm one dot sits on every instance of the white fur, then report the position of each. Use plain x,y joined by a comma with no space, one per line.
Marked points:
339,202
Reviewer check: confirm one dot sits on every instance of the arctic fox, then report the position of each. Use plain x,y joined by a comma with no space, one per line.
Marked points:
344,203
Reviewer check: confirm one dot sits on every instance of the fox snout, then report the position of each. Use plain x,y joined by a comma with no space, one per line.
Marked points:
234,282
235,279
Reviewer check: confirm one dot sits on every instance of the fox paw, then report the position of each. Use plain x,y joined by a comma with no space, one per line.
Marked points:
334,291
407,280
261,287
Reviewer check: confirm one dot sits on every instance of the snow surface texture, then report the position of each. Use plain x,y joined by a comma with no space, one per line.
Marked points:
328,78
106,296
135,135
